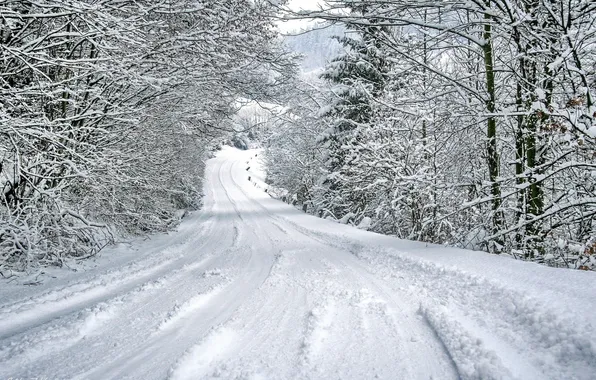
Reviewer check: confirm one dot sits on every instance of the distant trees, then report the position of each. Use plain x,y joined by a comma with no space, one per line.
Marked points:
316,45
483,132
107,107
294,156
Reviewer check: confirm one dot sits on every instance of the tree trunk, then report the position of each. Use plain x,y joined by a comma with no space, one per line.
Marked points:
493,155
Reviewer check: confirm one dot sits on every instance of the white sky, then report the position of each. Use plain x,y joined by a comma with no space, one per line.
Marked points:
304,4
294,25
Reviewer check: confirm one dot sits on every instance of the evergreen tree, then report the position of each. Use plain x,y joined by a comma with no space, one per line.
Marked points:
358,77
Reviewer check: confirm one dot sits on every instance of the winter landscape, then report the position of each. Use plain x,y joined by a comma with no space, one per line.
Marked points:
270,189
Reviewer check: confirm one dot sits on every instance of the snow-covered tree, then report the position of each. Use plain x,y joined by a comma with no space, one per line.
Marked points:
483,130
357,77
107,108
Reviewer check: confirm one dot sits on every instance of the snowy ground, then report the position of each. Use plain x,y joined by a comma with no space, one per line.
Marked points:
250,288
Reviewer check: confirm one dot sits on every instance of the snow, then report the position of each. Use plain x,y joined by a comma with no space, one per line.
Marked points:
196,362
473,360
189,307
252,288
365,223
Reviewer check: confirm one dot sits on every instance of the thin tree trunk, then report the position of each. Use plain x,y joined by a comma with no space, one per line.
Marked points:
493,155
519,166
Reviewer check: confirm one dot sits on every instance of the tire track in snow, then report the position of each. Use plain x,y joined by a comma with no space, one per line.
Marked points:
517,319
253,271
336,250
318,323
470,356
226,191
199,360
350,333
263,324
505,320
263,348
24,315
168,345
69,330
34,345
302,304
390,311
66,302
186,309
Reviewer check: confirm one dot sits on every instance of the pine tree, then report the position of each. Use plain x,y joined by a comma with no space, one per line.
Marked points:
358,76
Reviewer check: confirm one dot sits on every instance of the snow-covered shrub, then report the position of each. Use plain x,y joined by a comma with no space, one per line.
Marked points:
106,113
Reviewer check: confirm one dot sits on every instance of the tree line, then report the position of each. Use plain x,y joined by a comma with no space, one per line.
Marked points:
107,109
470,123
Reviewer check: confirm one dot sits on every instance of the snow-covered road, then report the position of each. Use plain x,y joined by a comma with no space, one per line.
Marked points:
251,288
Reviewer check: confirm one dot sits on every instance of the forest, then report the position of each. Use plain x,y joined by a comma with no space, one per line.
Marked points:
298,189
107,109
464,123
469,124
